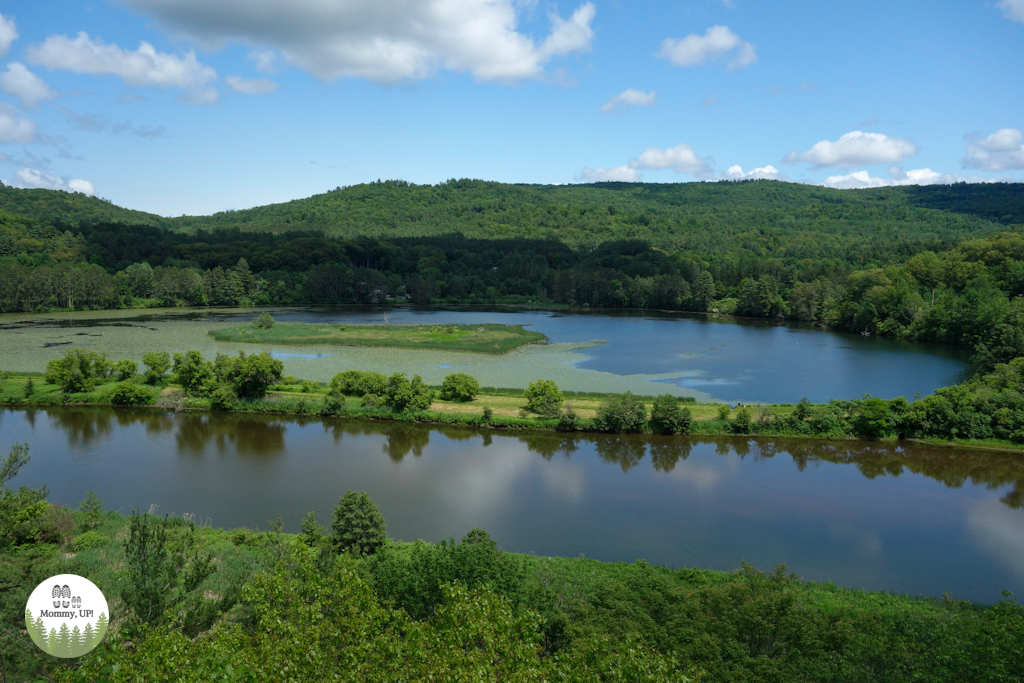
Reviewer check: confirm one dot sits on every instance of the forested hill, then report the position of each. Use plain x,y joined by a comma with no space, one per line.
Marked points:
68,209
670,216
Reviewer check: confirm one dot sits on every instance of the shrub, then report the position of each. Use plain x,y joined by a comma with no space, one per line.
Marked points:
358,383
621,415
668,417
459,386
30,388
544,398
124,370
372,401
157,364
403,395
487,415
723,412
129,394
92,508
90,539
873,419
255,373
194,373
357,527
568,421
741,423
264,321
223,397
77,371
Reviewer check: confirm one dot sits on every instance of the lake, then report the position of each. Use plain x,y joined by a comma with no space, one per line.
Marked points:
905,518
690,355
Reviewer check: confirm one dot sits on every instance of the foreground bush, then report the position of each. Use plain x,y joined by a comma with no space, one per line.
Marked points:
357,527
358,383
78,370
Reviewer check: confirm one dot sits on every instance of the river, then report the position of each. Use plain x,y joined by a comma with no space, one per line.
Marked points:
905,518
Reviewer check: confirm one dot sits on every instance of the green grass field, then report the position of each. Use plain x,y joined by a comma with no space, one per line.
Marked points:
476,338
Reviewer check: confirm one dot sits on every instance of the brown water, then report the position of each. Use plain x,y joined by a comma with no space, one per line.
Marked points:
907,518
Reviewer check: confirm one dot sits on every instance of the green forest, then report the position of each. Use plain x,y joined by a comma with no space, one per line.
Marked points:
897,262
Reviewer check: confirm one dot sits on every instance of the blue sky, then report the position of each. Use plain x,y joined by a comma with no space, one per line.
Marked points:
196,106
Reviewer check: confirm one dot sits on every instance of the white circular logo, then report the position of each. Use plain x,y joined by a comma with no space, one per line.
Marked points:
67,615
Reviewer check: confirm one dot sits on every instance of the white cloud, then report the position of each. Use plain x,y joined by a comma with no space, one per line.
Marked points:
255,86
8,34
265,60
1013,9
13,129
630,98
855,149
30,177
694,49
711,101
142,67
680,158
1001,151
29,88
858,180
382,40
619,174
728,4
768,172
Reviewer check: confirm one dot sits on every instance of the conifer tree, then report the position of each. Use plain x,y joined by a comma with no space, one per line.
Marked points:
101,627
88,637
76,644
63,648
38,636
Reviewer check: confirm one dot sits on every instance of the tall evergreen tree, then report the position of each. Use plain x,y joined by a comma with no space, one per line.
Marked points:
76,642
88,637
63,648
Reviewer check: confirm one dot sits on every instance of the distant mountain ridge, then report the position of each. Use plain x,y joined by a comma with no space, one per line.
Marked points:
666,215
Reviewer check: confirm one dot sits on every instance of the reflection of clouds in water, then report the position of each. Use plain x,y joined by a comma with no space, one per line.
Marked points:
563,478
704,476
1000,530
867,543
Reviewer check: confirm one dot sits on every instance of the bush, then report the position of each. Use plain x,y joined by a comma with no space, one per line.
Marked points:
223,397
544,398
358,383
568,421
487,415
255,373
403,395
723,412
621,415
357,527
873,419
124,370
30,387
79,370
194,373
157,364
92,508
90,539
129,394
413,581
264,321
741,423
459,386
668,417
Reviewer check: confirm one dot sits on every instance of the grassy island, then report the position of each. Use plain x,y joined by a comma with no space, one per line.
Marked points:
476,338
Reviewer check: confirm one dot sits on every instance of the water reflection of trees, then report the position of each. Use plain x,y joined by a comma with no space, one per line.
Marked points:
246,435
260,435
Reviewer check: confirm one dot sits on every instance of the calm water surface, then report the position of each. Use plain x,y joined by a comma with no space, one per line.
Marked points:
647,354
910,518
